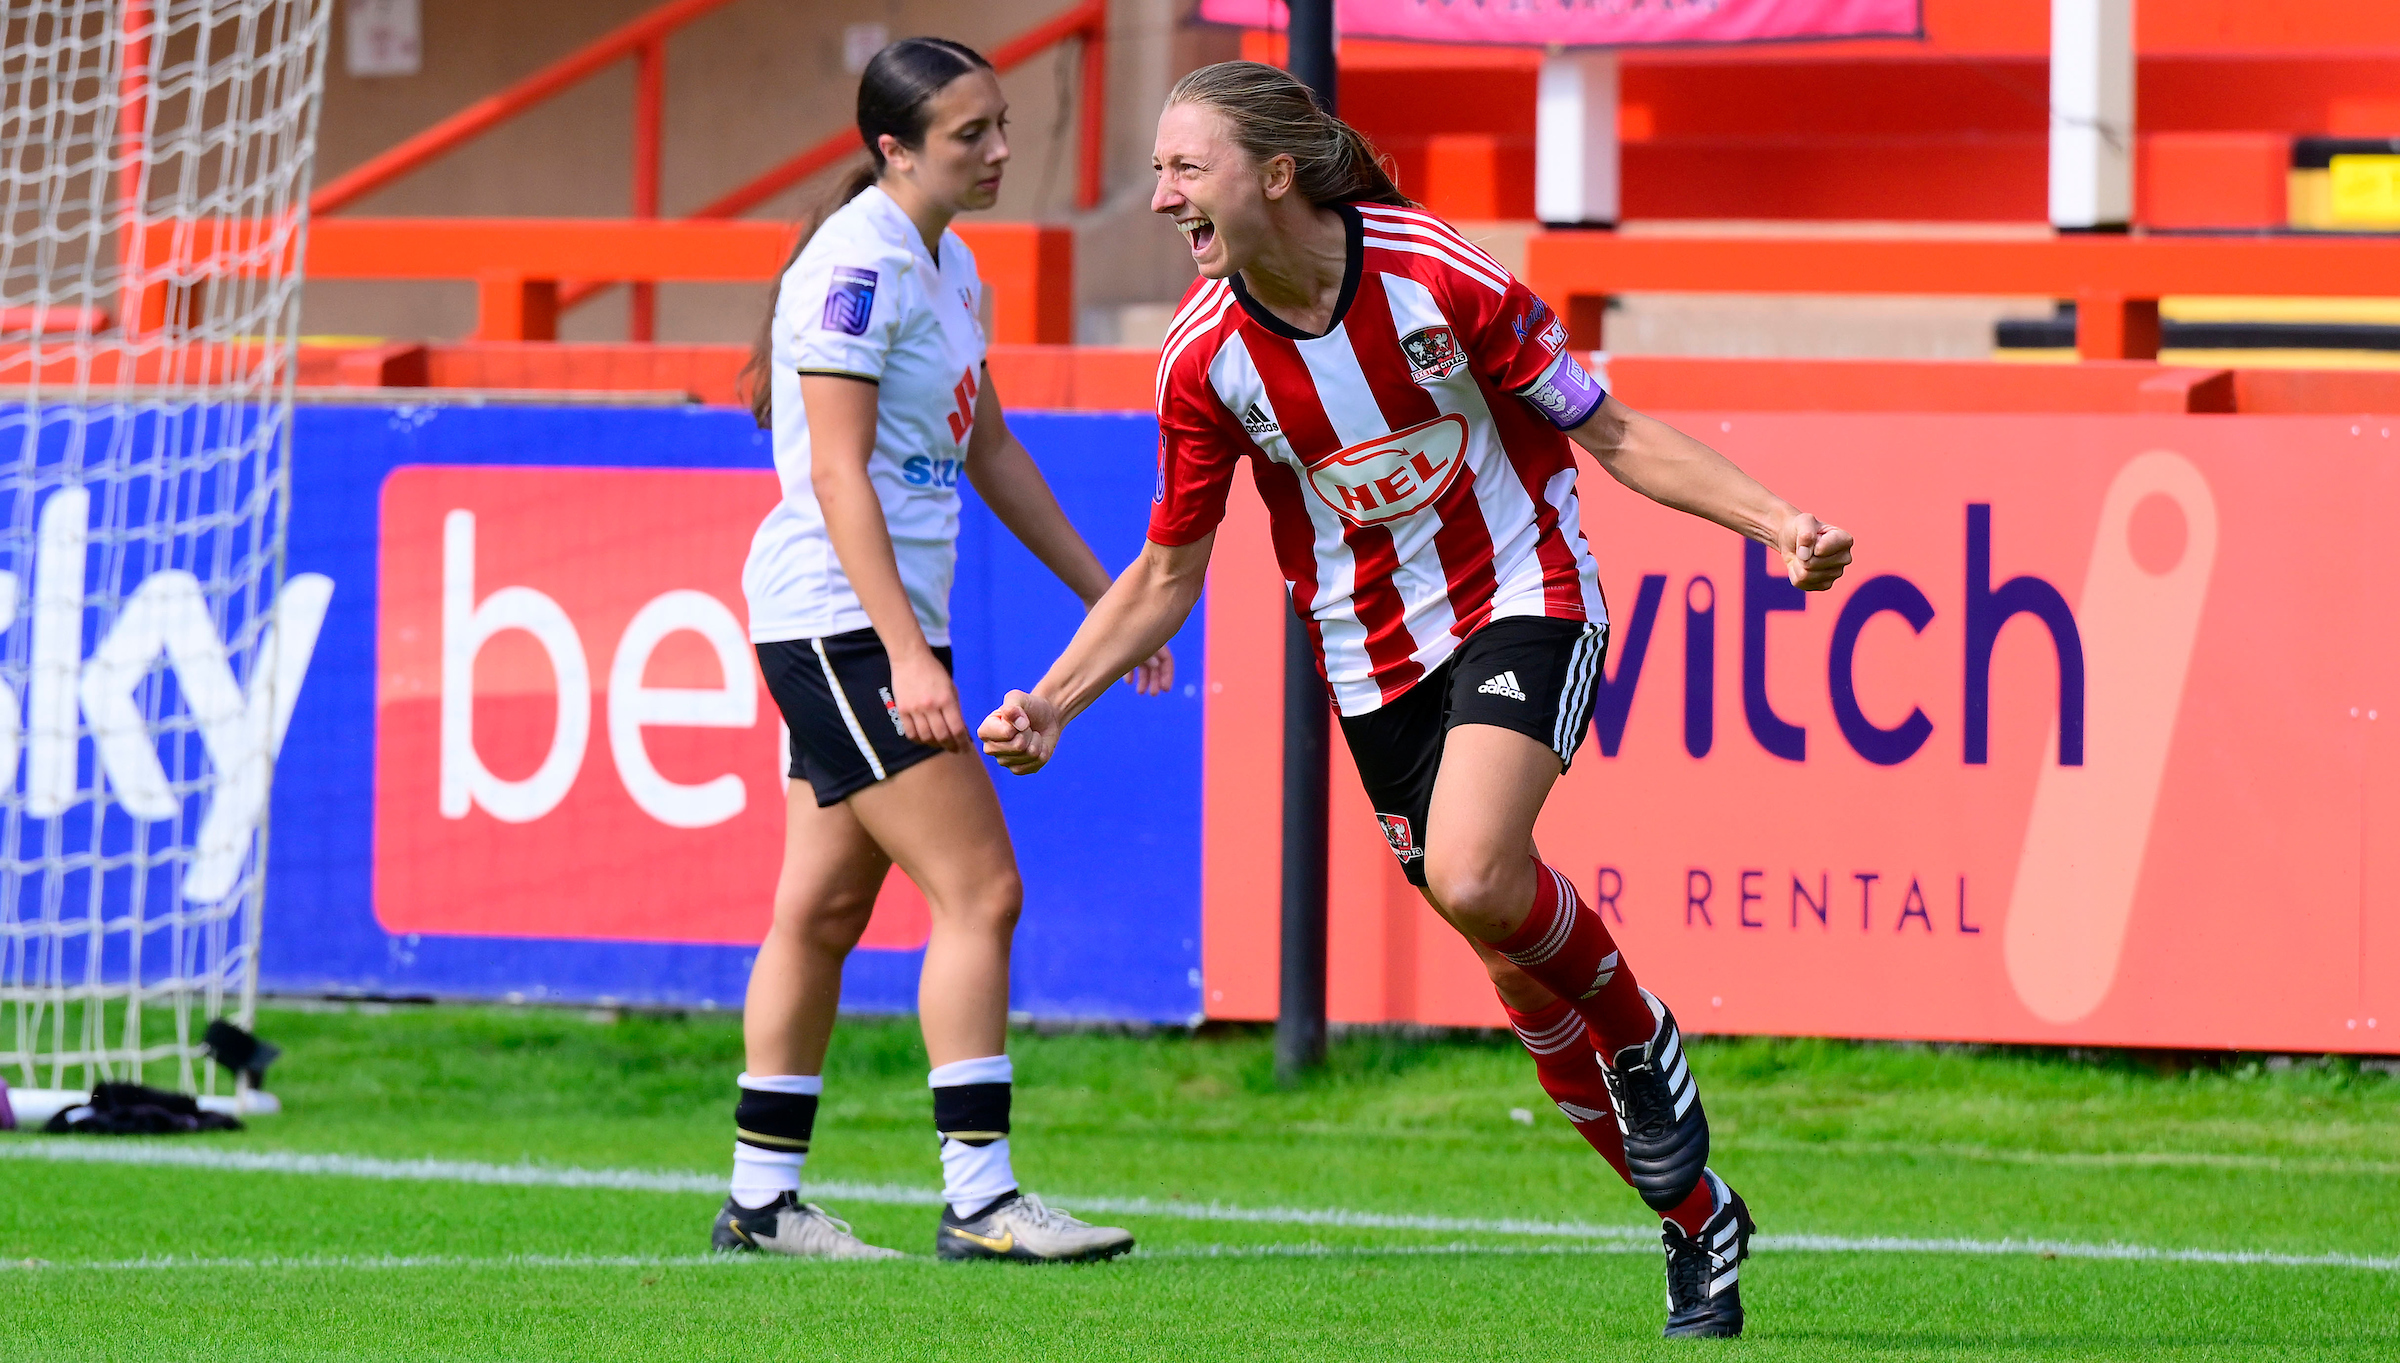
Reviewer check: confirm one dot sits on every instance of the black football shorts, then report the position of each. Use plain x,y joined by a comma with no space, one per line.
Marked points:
836,698
1527,673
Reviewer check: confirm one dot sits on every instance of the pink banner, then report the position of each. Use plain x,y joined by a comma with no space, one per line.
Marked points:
1594,23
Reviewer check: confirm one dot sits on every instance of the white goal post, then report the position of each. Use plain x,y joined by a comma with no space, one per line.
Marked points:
154,166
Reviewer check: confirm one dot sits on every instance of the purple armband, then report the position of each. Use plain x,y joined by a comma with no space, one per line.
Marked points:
1565,395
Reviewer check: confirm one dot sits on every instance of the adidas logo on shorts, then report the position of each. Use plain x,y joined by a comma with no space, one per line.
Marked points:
1503,685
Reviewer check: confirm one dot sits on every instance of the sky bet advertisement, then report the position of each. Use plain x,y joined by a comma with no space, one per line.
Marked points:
2094,744
533,757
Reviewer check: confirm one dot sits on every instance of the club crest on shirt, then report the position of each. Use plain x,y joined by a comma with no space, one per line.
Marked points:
1432,353
1396,832
850,301
1392,477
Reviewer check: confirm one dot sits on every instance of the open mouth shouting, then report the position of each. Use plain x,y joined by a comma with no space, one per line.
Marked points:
1198,233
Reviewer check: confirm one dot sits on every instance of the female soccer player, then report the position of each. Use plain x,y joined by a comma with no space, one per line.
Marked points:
1407,409
875,389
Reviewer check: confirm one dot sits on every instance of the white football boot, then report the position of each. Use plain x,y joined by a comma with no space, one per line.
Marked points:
789,1226
1019,1227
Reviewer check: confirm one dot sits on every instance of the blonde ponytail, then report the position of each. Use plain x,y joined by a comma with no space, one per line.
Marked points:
1273,115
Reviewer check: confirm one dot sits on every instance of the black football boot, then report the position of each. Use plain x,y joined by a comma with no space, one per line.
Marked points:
1704,1288
1658,1110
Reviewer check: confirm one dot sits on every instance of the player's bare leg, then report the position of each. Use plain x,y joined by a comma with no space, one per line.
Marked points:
941,821
824,895
1554,964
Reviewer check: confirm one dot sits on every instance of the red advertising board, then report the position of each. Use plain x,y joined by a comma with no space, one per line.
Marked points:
572,740
2095,744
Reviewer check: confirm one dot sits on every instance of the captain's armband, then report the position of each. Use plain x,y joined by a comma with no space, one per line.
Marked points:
1565,394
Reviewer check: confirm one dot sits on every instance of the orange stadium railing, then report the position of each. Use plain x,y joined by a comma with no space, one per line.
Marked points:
644,42
518,264
2116,281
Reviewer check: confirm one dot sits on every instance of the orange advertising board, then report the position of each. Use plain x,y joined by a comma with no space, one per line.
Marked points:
2094,745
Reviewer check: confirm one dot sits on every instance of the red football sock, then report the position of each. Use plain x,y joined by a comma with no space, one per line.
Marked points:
1563,944
1563,1061
1693,1212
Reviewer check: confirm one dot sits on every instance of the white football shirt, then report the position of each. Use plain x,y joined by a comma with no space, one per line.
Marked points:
865,299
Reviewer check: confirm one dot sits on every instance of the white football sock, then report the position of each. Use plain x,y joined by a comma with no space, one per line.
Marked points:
760,1176
974,1175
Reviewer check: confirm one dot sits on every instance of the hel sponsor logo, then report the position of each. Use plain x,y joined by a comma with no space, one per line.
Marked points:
1258,423
1432,353
1395,476
1396,832
891,708
850,301
1554,336
1158,493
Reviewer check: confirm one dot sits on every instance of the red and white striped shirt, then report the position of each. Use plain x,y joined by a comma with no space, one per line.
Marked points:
1413,495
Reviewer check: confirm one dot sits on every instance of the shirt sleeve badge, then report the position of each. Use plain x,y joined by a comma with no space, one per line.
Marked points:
851,300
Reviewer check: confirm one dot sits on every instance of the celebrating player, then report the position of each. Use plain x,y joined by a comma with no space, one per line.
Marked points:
1407,408
874,387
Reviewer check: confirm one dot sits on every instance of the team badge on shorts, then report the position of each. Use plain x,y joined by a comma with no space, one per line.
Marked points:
891,707
851,300
1396,832
1432,353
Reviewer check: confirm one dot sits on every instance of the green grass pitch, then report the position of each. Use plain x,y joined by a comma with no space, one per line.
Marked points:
2083,1208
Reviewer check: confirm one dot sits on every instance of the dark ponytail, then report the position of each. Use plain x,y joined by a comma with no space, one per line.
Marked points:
895,93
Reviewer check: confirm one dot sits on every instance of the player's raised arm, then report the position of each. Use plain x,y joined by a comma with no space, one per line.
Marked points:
1672,469
1141,611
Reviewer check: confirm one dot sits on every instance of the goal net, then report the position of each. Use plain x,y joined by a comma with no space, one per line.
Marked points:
154,163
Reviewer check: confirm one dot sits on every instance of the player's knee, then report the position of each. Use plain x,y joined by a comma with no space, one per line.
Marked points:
1479,894
990,904
827,922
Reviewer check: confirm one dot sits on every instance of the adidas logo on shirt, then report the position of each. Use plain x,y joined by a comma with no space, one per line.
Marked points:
1257,422
1503,685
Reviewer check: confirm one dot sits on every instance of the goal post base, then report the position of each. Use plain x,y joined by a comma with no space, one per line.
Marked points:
35,1107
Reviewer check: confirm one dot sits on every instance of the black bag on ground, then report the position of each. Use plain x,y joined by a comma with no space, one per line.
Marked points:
133,1110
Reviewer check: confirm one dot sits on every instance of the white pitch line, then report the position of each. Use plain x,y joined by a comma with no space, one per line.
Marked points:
165,1262
77,1150
2094,1159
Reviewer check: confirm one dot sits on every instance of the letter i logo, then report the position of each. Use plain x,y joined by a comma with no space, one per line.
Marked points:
2084,844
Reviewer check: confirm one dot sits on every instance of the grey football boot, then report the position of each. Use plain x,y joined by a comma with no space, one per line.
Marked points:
1020,1228
789,1226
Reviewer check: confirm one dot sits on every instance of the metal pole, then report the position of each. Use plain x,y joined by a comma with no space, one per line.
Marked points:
649,155
1300,1016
